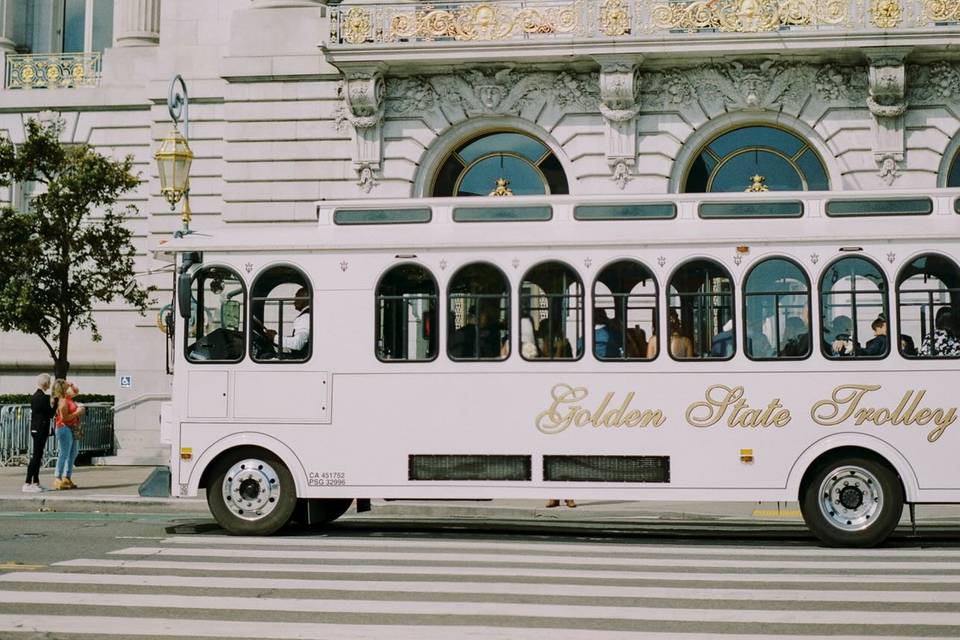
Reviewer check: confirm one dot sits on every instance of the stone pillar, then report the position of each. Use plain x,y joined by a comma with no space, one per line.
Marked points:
136,23
7,45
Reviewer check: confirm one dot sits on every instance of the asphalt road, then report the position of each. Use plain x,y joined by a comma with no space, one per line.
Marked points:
90,575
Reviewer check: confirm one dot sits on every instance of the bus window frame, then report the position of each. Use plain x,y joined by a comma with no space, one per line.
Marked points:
656,309
508,295
886,311
583,311
743,308
243,314
376,313
906,264
309,286
734,329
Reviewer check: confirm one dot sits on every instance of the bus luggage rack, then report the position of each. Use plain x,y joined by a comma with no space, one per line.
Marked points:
606,468
469,467
15,441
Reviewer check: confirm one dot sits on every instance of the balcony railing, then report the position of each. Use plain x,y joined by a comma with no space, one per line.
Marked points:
599,19
53,70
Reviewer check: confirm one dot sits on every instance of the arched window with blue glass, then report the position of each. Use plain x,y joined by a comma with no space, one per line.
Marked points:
756,158
953,175
776,311
500,163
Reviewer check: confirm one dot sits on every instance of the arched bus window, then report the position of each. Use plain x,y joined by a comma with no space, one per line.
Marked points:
624,312
700,312
853,310
216,327
928,299
776,310
478,304
281,316
406,323
551,313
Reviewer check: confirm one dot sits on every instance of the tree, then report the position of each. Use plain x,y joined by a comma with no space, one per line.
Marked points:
69,250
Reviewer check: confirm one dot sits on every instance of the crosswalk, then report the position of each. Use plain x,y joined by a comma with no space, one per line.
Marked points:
420,588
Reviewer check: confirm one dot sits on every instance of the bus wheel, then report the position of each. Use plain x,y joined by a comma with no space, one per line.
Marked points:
251,493
852,502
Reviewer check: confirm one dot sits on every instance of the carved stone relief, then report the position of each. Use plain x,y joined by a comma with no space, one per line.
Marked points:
362,94
887,103
619,105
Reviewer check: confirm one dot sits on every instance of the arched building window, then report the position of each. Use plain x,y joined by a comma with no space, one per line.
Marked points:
407,314
953,175
756,158
500,163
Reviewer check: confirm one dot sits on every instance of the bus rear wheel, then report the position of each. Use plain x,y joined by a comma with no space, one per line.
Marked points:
251,493
852,502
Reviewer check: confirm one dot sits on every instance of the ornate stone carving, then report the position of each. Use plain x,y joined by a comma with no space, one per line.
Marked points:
619,104
835,83
363,106
936,82
366,179
621,173
888,166
887,87
887,103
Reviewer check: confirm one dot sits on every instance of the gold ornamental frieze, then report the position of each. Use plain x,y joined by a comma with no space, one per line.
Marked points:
945,11
484,22
53,70
740,16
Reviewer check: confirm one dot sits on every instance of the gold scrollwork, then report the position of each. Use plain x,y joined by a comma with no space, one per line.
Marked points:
885,14
357,26
941,11
485,21
746,15
614,18
53,71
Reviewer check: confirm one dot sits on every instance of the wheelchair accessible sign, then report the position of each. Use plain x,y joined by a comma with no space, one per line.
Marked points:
126,382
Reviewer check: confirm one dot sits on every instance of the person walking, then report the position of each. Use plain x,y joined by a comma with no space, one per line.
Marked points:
42,408
69,413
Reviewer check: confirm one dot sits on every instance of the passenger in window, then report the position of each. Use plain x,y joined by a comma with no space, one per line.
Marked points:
760,346
942,343
606,335
907,346
722,344
796,338
636,346
297,343
528,339
464,342
843,344
680,345
491,346
878,345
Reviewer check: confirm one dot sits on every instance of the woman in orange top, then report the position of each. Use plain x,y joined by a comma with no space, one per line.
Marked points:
67,419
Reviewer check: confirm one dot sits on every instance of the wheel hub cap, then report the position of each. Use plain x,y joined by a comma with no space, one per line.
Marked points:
851,498
251,489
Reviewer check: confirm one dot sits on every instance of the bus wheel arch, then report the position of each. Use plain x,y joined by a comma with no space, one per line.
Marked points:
851,496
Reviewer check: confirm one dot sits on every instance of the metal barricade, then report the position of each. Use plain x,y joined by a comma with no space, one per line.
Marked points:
15,441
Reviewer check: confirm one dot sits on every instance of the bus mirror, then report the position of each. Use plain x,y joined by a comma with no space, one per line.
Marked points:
183,284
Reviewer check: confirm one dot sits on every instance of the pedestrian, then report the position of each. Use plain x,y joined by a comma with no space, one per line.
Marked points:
42,408
69,413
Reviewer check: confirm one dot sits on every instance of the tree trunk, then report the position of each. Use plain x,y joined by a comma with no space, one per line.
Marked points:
61,365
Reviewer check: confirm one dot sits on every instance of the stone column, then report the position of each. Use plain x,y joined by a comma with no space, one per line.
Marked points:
136,23
7,45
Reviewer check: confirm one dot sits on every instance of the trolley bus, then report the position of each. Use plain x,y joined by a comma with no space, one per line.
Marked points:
777,347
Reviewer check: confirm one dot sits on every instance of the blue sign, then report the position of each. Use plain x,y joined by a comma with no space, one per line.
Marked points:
126,382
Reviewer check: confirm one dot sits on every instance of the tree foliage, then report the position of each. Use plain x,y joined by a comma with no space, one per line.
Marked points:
69,250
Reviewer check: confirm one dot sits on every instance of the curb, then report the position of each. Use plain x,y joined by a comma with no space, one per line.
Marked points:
103,503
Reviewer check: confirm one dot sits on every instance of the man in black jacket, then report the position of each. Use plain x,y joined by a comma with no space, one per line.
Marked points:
41,414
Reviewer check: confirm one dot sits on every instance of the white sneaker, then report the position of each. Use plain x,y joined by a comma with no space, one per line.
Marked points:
31,488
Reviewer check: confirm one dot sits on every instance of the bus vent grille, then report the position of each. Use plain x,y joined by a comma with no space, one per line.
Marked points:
606,468
466,467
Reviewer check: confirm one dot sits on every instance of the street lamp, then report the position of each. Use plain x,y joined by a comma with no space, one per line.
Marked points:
174,156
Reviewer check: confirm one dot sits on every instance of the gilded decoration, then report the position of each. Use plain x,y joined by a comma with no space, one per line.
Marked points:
614,18
747,15
485,21
357,26
53,71
885,14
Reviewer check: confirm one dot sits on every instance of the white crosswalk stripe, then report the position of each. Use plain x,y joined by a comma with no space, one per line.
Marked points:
209,586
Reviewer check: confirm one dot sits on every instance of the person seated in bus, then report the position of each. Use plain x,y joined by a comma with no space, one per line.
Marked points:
489,330
528,339
652,348
636,346
606,337
796,338
722,344
880,342
552,344
297,343
463,344
681,346
759,345
842,343
942,342
907,346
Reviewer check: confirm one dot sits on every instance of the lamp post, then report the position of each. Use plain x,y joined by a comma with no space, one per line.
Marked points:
174,156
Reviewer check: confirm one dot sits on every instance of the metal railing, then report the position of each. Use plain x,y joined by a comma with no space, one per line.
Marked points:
53,70
15,441
479,20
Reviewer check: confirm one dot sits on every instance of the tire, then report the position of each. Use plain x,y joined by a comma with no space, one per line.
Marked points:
852,502
251,493
317,512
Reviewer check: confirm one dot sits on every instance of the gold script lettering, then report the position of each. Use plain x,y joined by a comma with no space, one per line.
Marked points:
846,402
566,409
719,398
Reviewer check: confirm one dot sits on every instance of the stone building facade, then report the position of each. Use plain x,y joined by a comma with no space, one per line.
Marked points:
293,101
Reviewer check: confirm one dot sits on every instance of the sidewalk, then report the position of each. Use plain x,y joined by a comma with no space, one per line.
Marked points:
114,489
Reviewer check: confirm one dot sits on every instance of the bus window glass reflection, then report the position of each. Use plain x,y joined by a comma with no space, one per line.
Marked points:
281,316
928,296
776,311
478,308
406,322
624,312
551,313
700,312
216,332
853,310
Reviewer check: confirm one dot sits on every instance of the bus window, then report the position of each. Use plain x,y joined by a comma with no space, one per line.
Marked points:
853,310
478,307
624,312
406,322
216,331
928,299
281,316
551,313
776,312
700,312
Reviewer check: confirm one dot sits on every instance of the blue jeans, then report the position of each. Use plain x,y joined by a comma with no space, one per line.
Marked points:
67,452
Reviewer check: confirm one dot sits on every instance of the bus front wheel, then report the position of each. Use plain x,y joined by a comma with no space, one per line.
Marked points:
852,502
251,493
